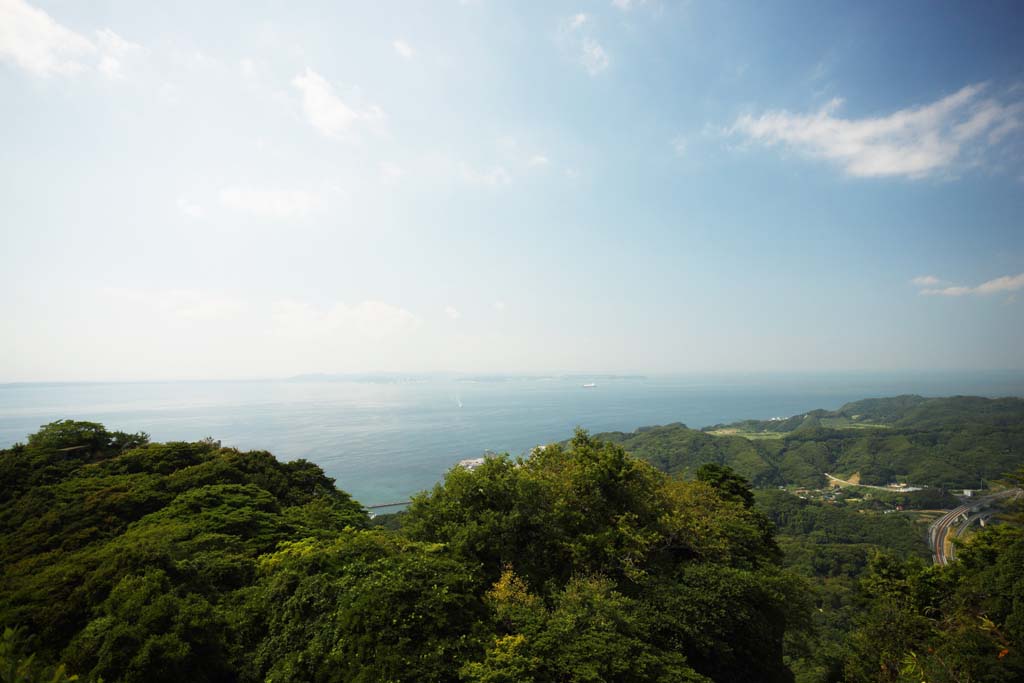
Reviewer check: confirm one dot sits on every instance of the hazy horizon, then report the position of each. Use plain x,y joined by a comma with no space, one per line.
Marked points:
238,192
387,438
1008,377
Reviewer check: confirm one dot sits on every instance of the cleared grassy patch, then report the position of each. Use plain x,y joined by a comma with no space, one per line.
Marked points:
729,431
847,423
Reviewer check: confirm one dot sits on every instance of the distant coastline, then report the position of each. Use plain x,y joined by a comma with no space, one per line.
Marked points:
383,440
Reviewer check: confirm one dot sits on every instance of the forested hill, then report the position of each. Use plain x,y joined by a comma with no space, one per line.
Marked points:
124,560
134,561
954,442
908,411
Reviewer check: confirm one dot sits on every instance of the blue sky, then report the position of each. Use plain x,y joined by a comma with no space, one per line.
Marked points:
222,190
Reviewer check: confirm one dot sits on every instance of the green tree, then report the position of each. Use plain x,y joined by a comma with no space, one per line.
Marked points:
17,665
729,485
365,606
586,519
591,633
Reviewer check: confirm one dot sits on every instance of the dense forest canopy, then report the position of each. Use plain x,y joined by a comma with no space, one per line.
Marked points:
128,561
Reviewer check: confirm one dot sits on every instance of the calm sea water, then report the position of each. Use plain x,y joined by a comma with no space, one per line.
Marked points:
384,440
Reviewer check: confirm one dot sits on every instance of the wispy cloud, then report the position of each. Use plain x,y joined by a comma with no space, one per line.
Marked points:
1007,283
390,173
403,49
177,304
203,332
190,209
32,40
926,281
326,111
452,313
271,203
113,51
366,320
594,57
519,155
679,145
577,32
495,176
916,142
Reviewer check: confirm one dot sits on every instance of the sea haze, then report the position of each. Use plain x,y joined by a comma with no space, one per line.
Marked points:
384,438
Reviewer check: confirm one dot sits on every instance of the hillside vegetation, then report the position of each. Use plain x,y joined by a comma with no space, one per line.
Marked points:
125,560
135,561
957,442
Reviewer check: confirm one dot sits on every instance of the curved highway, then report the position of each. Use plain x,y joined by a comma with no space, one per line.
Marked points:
939,530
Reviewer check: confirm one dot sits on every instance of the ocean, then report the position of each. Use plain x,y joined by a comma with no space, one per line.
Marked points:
386,438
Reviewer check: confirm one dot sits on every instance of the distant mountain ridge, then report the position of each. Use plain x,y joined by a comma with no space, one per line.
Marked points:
951,442
907,410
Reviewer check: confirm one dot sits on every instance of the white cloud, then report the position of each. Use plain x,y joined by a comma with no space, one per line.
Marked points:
38,44
247,67
915,142
576,36
626,5
113,50
452,312
499,305
593,57
515,154
947,291
338,323
326,112
366,320
495,176
212,333
403,49
170,93
679,145
271,203
177,305
190,209
926,281
577,21
390,173
32,40
1007,283
508,145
